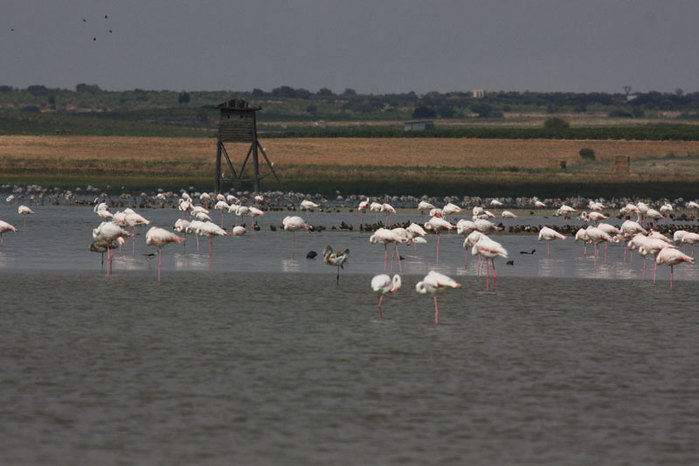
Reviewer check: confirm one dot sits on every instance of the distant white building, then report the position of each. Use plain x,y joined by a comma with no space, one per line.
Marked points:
478,93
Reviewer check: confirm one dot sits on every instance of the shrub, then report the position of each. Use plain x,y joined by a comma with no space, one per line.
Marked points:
587,154
556,124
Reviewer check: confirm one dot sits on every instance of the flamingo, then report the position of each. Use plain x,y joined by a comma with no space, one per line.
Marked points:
592,205
308,206
109,232
566,211
581,235
132,219
469,242
630,228
293,223
485,226
549,234
102,246
362,208
539,204
159,237
181,226
238,231
435,283
507,214
671,256
435,224
598,236
690,238
450,209
221,205
489,249
336,259
24,210
666,208
255,212
464,227
205,198
496,203
376,208
654,215
384,236
424,207
4,228
210,229
653,246
382,285
388,208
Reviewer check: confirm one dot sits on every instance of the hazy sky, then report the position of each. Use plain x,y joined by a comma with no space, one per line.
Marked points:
371,46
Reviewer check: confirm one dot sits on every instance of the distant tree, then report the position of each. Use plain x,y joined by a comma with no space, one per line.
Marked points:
258,92
620,113
556,124
349,92
446,111
312,109
580,108
52,101
183,98
482,110
284,91
91,88
423,111
325,92
679,92
301,93
31,108
627,90
37,89
4,89
587,154
552,108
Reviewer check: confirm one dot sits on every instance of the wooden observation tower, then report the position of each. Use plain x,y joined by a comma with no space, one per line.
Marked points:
239,124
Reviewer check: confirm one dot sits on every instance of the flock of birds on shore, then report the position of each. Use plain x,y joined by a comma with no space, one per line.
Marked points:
117,227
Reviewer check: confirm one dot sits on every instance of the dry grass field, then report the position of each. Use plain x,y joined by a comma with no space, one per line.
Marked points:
352,161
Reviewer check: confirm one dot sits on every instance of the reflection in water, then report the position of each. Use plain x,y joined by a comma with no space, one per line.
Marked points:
290,265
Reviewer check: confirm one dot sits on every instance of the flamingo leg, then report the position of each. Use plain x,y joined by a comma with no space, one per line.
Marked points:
184,247
605,252
644,269
655,269
211,251
197,244
361,222
133,242
548,249
400,267
671,275
585,250
2,240
487,274
109,262
478,270
393,255
338,276
160,261
436,312
221,219
466,259
495,275
380,312
437,248
626,248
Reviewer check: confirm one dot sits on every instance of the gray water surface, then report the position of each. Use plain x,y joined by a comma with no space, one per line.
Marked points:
265,360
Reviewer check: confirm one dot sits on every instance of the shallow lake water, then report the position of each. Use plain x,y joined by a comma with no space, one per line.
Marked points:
265,360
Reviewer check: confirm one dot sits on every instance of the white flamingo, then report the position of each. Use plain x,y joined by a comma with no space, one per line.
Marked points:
382,285
159,237
435,283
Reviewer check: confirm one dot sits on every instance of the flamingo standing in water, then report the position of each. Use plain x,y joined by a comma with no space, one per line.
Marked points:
671,256
382,285
598,236
239,231
690,238
566,211
388,208
159,237
210,229
24,210
293,223
221,205
181,226
4,228
581,235
384,236
108,232
308,206
549,234
362,208
630,228
435,283
489,249
424,207
471,239
435,224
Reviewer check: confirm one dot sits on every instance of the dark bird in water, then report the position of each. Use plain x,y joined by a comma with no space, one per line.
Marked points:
525,252
510,262
12,29
105,16
84,20
94,39
336,259
110,31
102,247
311,255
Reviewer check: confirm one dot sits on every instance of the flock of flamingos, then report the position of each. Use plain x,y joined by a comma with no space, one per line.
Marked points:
196,220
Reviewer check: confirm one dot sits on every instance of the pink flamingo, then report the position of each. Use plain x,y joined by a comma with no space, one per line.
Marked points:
4,228
489,249
293,223
549,234
159,237
435,224
382,285
435,283
671,256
